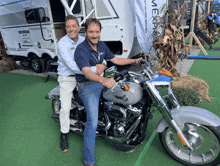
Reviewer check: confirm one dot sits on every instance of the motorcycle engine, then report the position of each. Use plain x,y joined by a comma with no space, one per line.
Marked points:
121,117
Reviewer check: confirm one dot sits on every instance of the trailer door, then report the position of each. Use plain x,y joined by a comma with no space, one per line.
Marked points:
58,16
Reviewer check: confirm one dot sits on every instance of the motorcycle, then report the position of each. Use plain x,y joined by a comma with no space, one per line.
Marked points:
190,135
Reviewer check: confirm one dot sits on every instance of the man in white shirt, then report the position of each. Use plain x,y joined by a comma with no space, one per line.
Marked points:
67,69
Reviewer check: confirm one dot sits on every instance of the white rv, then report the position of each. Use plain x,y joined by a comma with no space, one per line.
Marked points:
32,28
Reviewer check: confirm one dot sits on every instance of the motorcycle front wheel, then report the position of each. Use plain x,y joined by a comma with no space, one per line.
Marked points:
205,141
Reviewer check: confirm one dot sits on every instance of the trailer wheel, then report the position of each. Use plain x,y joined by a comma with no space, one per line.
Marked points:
36,64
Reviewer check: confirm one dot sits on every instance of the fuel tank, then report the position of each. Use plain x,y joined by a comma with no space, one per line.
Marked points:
119,95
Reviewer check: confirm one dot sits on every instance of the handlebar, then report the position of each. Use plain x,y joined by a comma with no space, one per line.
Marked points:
147,73
143,62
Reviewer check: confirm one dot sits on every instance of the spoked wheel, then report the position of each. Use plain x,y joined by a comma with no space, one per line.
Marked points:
56,105
205,141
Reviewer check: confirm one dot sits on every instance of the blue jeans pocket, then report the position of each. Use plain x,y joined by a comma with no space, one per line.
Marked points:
83,85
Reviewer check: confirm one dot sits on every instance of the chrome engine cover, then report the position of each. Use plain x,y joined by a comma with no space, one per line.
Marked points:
119,95
119,129
117,112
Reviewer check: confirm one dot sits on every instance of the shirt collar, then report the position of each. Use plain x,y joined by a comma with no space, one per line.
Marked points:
70,40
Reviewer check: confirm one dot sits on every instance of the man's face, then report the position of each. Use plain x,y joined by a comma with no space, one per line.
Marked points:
72,29
93,34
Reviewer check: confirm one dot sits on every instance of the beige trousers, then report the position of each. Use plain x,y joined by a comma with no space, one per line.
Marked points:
67,85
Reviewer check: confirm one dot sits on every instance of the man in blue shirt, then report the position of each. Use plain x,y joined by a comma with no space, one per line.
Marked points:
67,70
89,53
211,21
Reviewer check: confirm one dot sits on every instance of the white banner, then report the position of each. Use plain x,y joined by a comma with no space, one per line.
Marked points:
146,13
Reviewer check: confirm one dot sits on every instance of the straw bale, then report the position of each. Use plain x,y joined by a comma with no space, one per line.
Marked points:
7,64
194,83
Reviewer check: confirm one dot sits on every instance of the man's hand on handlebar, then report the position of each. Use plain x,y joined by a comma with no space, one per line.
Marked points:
137,60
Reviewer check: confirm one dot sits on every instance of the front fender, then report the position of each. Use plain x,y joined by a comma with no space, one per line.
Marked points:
190,114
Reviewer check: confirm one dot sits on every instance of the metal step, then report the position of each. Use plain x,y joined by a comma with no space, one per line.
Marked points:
54,64
51,70
50,73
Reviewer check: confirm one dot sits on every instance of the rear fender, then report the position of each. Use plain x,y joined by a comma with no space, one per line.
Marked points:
190,114
54,93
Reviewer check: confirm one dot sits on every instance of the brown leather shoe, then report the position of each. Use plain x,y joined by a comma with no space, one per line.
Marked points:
89,164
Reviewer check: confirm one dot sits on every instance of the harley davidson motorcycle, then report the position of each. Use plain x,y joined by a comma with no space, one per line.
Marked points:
190,135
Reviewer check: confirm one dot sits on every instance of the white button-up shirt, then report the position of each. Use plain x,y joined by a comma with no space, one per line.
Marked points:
65,51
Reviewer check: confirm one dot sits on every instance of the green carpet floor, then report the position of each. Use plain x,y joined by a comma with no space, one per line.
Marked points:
30,137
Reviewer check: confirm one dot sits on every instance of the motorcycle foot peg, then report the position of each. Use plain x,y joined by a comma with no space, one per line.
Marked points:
123,147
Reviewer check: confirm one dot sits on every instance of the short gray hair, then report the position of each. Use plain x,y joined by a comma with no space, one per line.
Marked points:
71,17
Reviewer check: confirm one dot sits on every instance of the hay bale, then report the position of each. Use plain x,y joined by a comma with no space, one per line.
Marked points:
196,84
7,64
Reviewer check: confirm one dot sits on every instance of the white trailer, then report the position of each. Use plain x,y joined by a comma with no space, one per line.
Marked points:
32,28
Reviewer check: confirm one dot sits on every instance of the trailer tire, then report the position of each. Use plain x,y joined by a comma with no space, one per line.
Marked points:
36,64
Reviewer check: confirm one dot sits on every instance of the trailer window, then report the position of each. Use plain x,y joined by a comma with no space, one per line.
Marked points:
77,7
115,47
35,15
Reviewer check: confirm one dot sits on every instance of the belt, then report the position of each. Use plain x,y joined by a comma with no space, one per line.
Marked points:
72,76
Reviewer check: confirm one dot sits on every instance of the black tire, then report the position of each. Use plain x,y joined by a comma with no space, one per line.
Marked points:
36,64
204,139
56,105
47,62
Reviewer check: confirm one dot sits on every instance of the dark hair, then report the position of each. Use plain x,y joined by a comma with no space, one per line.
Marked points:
71,17
92,21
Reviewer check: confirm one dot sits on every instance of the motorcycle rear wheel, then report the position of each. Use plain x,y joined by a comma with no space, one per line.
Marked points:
204,139
56,105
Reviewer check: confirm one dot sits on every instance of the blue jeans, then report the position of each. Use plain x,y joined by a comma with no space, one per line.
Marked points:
90,93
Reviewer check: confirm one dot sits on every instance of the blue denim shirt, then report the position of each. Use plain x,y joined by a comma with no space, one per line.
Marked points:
85,56
65,51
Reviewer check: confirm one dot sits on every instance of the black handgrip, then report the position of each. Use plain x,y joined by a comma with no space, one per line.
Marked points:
142,62
125,72
118,77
